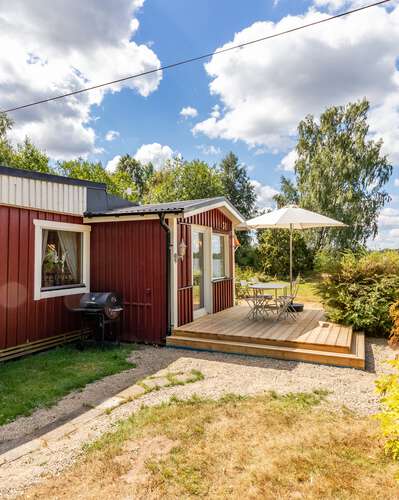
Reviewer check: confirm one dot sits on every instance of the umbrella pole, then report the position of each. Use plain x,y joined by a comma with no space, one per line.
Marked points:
291,231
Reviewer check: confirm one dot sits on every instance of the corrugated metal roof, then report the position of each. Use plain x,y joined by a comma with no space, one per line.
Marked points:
155,208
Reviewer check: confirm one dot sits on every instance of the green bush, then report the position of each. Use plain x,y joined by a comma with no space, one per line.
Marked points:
360,290
326,261
388,387
247,274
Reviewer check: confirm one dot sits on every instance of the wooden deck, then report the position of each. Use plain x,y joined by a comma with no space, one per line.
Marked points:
309,338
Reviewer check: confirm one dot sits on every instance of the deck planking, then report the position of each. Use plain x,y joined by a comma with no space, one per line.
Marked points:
308,338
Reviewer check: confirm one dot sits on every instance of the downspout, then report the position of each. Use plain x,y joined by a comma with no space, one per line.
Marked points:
166,228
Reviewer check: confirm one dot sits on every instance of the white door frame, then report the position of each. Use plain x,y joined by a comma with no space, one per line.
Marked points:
207,232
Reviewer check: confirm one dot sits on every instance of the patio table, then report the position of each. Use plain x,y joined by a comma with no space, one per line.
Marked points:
259,287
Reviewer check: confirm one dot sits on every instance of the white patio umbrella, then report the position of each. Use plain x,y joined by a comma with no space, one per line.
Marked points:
290,217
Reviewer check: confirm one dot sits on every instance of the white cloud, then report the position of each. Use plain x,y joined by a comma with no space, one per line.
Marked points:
396,182
264,194
331,5
389,217
154,153
388,229
111,135
188,112
385,239
288,162
266,89
112,164
209,150
48,51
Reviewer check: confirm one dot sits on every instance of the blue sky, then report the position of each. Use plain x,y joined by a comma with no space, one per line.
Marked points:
248,101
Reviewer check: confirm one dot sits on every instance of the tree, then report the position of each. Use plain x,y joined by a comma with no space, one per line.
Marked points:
288,194
239,190
185,180
237,185
139,174
274,253
341,173
25,155
29,157
117,183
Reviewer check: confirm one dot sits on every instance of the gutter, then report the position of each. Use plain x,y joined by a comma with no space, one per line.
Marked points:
166,228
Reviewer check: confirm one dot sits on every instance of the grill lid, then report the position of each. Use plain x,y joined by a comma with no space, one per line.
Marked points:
108,302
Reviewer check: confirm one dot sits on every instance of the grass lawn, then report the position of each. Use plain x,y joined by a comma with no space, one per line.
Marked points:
42,379
285,447
307,291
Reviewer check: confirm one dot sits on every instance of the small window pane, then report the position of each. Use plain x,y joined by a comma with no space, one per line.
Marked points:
61,259
218,257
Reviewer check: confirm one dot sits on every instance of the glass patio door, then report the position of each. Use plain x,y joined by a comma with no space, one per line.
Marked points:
198,272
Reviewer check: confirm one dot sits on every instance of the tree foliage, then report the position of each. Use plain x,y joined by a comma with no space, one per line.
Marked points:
185,180
237,185
138,173
274,252
340,173
118,183
24,155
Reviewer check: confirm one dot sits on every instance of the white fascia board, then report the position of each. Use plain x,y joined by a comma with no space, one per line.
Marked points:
227,209
121,218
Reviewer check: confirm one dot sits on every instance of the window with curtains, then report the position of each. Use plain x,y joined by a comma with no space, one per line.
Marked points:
61,259
219,267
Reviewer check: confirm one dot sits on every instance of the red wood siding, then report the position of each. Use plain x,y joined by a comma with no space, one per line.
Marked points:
222,292
130,258
212,218
23,319
185,305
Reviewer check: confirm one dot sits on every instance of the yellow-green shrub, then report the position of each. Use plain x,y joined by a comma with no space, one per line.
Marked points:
394,314
388,387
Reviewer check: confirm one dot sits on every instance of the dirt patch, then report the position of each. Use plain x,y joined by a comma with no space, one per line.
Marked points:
136,455
260,447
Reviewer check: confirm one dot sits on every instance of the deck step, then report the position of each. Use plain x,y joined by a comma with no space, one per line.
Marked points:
354,359
330,346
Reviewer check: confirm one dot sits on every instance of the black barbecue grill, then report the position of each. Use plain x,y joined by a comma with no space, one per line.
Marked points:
104,308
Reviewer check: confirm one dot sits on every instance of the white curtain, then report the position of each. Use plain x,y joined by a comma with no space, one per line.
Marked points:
44,243
69,244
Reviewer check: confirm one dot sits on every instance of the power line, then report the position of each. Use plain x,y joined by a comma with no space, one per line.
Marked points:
194,59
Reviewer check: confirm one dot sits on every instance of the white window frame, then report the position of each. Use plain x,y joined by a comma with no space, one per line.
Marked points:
208,299
60,226
226,240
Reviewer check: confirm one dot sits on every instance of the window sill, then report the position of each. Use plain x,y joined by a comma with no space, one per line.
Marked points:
61,292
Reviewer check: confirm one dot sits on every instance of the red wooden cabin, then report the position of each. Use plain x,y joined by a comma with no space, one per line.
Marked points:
60,237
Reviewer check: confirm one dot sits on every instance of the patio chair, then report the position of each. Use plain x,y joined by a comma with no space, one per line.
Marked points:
249,297
285,301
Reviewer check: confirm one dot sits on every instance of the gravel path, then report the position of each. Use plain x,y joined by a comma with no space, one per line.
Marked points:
353,388
223,373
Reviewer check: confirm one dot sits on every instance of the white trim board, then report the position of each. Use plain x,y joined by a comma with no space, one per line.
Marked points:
60,226
229,211
208,299
121,218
